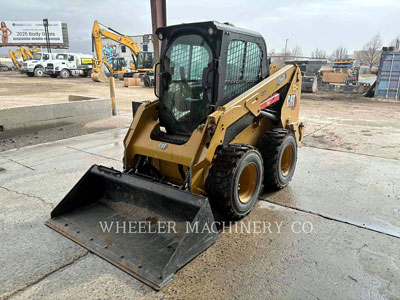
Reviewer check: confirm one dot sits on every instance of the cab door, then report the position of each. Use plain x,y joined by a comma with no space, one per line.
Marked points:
71,62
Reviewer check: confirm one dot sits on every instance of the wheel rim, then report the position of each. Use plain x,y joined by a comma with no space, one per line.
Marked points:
247,183
287,160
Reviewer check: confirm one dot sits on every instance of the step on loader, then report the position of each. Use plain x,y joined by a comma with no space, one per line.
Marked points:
220,128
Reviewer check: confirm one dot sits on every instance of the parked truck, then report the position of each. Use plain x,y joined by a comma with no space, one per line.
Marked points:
36,66
70,64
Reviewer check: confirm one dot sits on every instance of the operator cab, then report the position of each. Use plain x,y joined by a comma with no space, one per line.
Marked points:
118,63
203,66
145,60
37,56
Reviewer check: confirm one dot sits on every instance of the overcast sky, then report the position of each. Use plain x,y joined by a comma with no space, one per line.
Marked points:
309,24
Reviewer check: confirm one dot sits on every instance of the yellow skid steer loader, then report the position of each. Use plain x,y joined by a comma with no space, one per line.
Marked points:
220,129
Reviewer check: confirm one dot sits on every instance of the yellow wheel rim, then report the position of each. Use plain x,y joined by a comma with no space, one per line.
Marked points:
247,183
287,160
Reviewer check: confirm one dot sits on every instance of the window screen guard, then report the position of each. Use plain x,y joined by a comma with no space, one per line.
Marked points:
243,67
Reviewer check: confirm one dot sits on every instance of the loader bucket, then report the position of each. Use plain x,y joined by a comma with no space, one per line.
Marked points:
148,229
99,77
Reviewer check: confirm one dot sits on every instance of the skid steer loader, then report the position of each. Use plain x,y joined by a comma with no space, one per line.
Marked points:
220,129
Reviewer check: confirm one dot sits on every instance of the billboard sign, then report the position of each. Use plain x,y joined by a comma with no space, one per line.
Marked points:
31,33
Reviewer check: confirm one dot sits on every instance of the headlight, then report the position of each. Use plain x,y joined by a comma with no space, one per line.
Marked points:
160,36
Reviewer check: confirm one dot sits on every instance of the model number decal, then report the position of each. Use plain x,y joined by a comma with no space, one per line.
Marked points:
291,101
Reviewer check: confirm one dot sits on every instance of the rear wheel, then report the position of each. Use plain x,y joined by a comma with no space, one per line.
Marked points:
279,152
235,179
39,72
64,73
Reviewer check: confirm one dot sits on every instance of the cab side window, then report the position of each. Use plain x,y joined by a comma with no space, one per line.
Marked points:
243,67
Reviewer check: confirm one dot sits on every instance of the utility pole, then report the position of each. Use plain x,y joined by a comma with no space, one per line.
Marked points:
46,32
285,50
158,19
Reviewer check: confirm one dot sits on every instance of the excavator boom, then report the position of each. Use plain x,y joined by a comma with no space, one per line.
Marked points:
14,58
97,34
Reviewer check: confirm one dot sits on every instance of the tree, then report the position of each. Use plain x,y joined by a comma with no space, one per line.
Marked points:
371,53
318,53
295,53
395,42
339,53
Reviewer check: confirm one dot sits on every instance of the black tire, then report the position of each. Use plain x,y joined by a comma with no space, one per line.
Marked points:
279,166
39,72
30,74
64,73
225,177
53,75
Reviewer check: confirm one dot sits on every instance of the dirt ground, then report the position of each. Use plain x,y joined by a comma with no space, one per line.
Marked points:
20,90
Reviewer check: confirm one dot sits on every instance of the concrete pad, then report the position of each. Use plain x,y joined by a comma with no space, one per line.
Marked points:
353,188
33,155
53,178
98,139
334,260
113,151
89,278
370,140
29,251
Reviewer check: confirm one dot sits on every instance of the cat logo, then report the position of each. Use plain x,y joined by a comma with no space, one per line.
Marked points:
291,101
163,146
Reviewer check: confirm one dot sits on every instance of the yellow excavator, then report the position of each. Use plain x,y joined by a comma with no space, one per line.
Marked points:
13,56
221,127
143,61
26,54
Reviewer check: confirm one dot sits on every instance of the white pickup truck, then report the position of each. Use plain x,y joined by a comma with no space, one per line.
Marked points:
37,65
70,64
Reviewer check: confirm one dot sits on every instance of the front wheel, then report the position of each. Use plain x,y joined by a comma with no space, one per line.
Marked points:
39,72
64,73
279,152
235,180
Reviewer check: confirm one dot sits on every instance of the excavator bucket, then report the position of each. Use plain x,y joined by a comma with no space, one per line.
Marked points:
99,77
146,228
